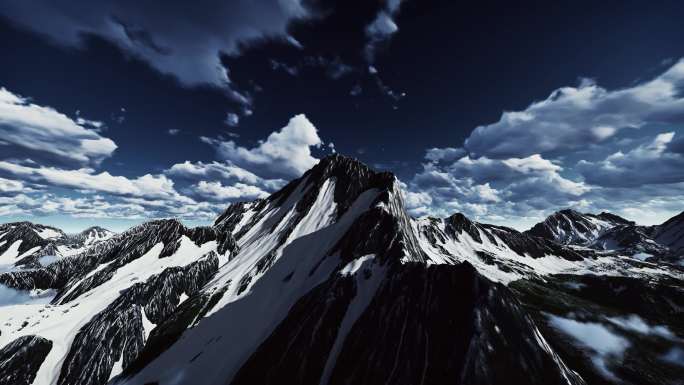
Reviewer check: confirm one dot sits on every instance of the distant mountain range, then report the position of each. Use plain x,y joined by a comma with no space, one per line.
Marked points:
330,281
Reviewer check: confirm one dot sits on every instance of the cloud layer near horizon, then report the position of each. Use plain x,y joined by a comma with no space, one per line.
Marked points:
584,147
50,164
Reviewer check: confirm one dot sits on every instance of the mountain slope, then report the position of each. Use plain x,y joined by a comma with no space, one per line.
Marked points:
671,234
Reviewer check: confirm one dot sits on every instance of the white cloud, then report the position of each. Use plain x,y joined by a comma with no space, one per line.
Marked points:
173,131
382,26
219,192
11,186
571,118
232,119
189,50
284,153
85,179
651,163
484,188
507,176
446,154
223,172
109,207
381,29
41,132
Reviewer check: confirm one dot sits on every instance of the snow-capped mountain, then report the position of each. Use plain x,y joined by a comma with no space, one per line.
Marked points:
31,245
607,232
91,236
330,281
572,227
23,243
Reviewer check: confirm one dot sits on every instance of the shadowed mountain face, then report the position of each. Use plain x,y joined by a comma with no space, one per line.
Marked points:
330,281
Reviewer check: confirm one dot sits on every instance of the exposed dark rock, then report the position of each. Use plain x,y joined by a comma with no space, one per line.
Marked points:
117,332
21,359
409,333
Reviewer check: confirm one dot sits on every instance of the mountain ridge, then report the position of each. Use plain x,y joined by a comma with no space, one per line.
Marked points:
326,270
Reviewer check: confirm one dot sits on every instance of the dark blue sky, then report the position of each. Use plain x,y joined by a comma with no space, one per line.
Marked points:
439,70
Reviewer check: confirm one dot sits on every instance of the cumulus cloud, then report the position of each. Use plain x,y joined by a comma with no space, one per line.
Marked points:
446,154
487,188
102,206
573,117
86,179
552,156
42,133
218,192
75,148
285,153
173,39
227,173
381,28
651,163
532,171
8,186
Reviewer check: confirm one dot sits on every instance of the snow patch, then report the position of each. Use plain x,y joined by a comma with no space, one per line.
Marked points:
48,233
147,324
183,297
603,343
675,356
352,267
642,256
48,259
10,255
117,368
637,324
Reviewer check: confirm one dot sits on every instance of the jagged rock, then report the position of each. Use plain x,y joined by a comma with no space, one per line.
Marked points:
21,358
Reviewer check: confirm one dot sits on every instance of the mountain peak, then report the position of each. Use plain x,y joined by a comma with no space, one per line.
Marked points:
95,228
569,226
346,168
352,177
614,218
